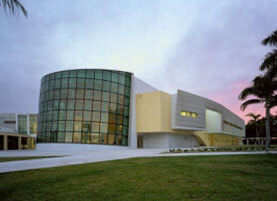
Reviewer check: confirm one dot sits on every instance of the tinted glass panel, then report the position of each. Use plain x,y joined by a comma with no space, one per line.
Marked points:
84,106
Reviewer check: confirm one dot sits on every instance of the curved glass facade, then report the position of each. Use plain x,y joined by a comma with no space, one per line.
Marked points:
85,106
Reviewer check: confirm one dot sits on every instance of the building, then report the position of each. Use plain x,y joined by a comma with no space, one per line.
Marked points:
19,123
18,131
94,106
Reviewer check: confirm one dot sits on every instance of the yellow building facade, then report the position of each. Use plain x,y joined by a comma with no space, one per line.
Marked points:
154,116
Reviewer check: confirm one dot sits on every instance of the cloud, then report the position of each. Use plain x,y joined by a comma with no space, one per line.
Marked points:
200,46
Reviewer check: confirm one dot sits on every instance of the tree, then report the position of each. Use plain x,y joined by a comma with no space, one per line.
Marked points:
270,61
13,6
254,120
263,89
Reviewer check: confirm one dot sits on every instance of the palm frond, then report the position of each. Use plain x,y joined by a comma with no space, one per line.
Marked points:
271,40
13,6
247,92
270,61
254,117
250,102
273,102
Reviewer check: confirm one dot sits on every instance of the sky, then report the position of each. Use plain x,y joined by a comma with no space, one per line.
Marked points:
209,48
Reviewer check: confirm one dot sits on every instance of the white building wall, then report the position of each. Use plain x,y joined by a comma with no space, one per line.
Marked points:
137,86
182,141
213,121
155,141
168,140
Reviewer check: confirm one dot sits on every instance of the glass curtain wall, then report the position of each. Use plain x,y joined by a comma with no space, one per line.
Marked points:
85,106
33,123
22,124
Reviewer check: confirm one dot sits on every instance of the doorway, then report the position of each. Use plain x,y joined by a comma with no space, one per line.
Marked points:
140,141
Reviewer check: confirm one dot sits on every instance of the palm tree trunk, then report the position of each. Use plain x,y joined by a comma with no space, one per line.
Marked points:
257,133
267,129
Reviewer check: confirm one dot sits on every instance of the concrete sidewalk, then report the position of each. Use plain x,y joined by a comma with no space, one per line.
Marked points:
93,154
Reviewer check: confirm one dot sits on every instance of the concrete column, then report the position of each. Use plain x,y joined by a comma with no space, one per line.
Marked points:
5,142
29,143
19,143
28,124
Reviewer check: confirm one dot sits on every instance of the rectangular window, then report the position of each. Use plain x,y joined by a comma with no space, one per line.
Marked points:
86,126
89,83
95,127
70,104
65,83
97,95
63,104
111,139
55,115
78,115
88,104
80,94
112,107
98,75
90,74
105,96
112,118
61,125
68,137
70,115
121,89
77,125
81,73
89,94
113,98
231,124
104,117
98,85
95,138
77,137
87,115
69,126
79,104
120,99
96,105
57,94
114,77
65,74
73,73
71,94
112,128
103,127
96,116
189,114
57,83
64,94
62,114
106,86
106,75
122,79
72,83
128,81
80,83
114,87
105,107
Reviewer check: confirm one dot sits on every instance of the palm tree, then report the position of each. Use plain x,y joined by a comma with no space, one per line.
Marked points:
13,6
270,61
254,120
263,89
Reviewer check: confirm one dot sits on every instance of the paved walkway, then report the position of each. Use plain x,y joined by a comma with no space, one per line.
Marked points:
87,155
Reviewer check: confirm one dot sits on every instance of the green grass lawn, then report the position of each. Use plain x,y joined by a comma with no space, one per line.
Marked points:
6,159
237,177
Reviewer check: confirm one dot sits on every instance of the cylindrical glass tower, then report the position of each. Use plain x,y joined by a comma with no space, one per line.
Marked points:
85,106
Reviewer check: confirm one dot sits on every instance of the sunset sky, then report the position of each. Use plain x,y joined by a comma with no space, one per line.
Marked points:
210,48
